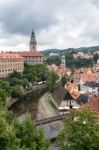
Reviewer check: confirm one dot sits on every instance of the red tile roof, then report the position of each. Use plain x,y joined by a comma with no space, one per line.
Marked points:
89,78
9,55
31,54
60,70
92,104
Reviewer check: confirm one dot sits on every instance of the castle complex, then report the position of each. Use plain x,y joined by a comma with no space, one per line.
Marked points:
33,56
10,62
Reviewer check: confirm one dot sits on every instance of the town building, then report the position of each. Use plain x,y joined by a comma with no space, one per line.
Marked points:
68,103
32,58
59,70
90,87
53,54
82,55
76,78
10,62
92,104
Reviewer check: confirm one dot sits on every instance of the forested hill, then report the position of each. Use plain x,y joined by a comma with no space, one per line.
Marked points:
84,49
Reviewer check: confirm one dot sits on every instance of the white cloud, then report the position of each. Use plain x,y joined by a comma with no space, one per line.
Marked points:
58,24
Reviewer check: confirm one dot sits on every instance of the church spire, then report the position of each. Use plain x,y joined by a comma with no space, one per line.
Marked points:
33,42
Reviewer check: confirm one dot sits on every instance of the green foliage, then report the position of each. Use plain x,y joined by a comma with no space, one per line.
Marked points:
81,132
35,73
16,91
95,57
20,136
24,83
51,82
64,79
54,60
5,86
70,61
2,97
29,136
79,62
8,140
15,74
16,83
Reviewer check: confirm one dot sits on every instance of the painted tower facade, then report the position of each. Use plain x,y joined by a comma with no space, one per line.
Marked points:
63,61
33,42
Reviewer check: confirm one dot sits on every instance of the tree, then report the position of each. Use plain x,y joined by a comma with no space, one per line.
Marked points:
24,83
81,132
41,72
54,60
8,140
2,97
15,81
6,86
51,82
29,136
16,91
14,74
64,79
15,135
95,57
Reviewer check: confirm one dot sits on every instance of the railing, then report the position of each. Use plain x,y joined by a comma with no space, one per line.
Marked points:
51,119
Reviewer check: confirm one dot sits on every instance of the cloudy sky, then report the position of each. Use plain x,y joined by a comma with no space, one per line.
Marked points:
57,23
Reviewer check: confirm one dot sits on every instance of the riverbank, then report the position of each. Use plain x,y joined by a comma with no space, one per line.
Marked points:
48,108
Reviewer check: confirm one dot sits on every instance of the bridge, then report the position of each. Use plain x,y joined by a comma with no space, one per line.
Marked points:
50,119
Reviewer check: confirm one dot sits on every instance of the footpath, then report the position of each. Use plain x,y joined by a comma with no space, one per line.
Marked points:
46,108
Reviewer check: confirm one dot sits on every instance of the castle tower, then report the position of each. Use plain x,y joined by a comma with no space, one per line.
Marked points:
63,61
33,42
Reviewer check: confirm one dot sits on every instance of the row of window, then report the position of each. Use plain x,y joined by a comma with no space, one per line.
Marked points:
33,57
12,60
9,70
33,60
5,65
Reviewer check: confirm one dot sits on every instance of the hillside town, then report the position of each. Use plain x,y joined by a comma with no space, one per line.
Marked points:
27,74
82,87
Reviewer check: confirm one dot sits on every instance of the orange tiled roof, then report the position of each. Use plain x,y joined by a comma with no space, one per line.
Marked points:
92,104
31,54
73,90
89,78
60,70
9,55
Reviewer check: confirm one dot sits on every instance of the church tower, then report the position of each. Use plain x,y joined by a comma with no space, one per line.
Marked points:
33,42
63,61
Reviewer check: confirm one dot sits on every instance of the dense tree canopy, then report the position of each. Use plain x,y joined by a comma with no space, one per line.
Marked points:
29,136
16,91
70,61
23,135
81,132
2,97
35,73
52,81
64,79
8,139
54,60
96,57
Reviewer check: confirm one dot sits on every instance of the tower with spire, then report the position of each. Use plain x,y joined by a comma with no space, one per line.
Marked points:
63,61
33,42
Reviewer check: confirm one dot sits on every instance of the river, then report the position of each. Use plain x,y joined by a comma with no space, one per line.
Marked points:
31,106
